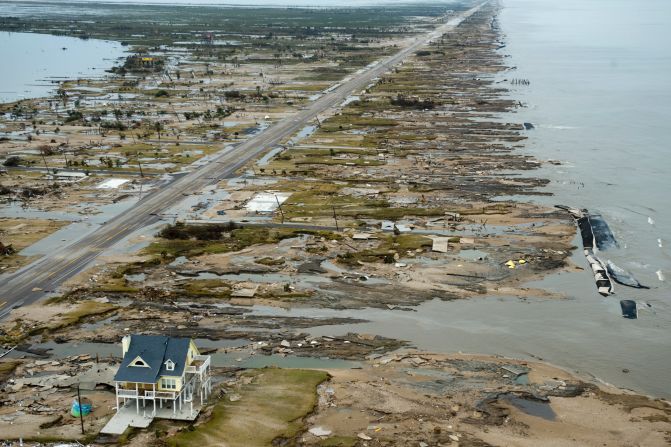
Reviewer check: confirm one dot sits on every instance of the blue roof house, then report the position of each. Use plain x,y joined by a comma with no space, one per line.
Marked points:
158,371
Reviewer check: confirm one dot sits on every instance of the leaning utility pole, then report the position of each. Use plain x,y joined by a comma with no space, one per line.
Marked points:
279,206
81,408
45,162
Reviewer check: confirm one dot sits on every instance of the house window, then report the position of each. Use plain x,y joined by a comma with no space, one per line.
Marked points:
169,365
139,362
169,384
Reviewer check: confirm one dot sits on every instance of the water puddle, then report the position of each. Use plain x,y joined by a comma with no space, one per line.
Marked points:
349,100
194,205
473,255
139,277
263,161
303,134
180,260
289,361
532,407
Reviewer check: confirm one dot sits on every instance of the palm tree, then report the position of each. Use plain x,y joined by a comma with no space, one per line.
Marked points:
158,127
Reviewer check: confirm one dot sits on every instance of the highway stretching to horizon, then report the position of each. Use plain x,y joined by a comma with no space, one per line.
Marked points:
46,274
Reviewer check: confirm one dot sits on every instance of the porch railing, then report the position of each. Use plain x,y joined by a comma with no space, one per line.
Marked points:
199,369
126,393
161,395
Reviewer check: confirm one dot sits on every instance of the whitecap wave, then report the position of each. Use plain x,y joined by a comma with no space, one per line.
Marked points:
551,126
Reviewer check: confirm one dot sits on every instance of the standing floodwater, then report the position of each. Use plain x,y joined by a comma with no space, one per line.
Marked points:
31,62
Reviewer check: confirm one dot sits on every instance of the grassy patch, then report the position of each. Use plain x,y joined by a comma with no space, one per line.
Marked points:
320,198
352,121
7,368
389,245
234,241
270,261
116,288
83,310
190,241
271,407
206,288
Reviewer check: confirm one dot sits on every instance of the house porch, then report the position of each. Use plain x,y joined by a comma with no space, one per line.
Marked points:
127,416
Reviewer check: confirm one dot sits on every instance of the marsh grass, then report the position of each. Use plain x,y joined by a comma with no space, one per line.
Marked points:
271,408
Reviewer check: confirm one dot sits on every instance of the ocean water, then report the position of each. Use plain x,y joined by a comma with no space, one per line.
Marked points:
38,59
599,95
600,98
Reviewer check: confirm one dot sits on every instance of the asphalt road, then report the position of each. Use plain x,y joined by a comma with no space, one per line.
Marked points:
35,280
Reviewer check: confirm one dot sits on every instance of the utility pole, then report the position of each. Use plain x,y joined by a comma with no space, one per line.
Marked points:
137,155
81,409
279,206
45,162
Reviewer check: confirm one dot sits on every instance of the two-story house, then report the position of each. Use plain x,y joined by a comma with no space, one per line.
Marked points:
159,370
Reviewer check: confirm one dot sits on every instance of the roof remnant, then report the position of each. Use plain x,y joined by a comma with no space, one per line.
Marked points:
440,244
245,292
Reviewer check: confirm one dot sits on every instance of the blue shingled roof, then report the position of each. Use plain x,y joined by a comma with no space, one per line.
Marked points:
155,350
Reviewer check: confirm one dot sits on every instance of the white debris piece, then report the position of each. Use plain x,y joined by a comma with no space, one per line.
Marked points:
267,201
112,183
245,292
440,244
362,236
319,431
387,225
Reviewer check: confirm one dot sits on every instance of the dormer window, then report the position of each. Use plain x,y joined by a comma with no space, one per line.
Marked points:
139,362
169,365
